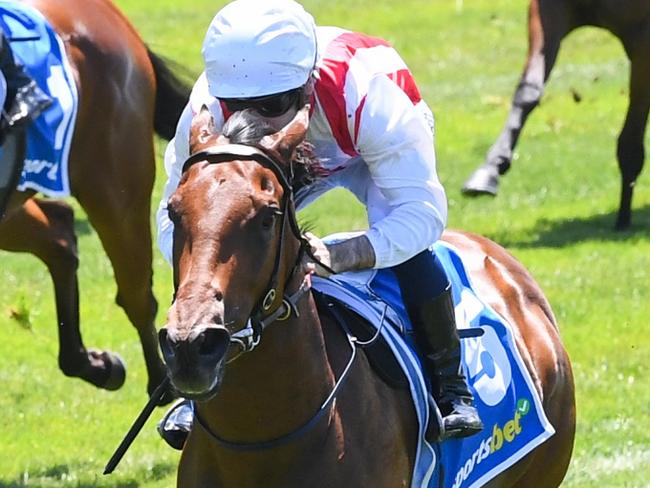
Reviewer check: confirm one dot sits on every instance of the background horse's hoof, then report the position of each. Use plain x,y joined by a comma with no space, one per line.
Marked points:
484,181
115,370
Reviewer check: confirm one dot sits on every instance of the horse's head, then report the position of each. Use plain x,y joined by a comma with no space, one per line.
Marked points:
236,242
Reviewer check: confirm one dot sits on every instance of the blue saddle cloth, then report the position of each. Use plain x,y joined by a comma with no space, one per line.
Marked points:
509,405
41,51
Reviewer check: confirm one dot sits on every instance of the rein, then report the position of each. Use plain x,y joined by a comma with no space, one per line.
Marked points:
303,429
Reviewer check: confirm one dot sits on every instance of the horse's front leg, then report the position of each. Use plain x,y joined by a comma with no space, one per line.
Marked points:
630,150
548,23
45,229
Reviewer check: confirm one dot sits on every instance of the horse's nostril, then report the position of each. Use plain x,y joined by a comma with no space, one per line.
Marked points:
213,341
165,344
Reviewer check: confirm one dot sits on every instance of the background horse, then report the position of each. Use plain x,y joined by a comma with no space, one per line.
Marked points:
236,239
125,93
549,21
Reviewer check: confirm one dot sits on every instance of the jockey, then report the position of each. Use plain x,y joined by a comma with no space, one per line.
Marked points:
371,132
23,100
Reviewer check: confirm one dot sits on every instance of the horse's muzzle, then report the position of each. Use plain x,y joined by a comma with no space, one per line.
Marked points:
194,362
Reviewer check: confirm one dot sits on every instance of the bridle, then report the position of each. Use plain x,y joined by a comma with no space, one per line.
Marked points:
249,337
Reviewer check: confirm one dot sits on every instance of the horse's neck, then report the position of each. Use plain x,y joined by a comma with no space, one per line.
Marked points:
276,388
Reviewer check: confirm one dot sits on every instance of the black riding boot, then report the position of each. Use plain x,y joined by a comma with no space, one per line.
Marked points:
437,338
175,426
25,100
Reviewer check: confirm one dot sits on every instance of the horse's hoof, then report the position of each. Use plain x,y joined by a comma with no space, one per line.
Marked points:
484,181
115,370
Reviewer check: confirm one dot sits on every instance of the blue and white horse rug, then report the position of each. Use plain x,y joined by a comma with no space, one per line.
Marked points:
42,53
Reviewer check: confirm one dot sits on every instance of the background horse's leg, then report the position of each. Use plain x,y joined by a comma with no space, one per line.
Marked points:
45,228
548,23
630,149
118,208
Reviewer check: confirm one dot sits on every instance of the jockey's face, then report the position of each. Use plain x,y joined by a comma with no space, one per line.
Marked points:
277,123
278,109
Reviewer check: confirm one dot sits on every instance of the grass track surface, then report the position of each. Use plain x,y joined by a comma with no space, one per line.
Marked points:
555,213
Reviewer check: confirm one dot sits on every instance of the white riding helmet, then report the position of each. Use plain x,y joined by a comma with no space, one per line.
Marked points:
255,48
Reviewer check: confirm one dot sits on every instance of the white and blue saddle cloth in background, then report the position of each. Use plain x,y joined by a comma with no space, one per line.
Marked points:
41,51
509,405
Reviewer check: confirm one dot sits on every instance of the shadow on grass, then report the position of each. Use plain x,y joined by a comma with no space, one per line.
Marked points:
560,233
81,227
65,475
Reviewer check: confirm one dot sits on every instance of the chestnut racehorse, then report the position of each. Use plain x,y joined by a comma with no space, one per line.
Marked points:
235,240
126,93
549,21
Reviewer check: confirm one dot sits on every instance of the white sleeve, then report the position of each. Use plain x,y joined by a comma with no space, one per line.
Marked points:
176,153
396,141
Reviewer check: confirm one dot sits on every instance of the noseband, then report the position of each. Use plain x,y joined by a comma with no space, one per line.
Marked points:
249,336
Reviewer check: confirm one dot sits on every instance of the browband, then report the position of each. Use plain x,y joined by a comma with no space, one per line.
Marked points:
225,153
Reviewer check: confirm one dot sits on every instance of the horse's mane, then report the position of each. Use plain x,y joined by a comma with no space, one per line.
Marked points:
248,128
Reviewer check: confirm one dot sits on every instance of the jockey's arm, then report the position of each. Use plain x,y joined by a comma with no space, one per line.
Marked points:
176,153
407,209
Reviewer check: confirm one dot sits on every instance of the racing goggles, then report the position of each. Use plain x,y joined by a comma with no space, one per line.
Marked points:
268,105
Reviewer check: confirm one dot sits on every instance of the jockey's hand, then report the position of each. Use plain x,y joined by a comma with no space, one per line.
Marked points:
321,254
352,254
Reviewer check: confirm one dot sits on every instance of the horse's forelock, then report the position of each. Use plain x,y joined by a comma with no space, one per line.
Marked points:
246,127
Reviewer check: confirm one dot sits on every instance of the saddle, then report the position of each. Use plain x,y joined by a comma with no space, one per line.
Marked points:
41,52
378,352
374,345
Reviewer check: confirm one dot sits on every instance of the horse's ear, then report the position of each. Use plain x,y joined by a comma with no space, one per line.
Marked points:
287,140
202,129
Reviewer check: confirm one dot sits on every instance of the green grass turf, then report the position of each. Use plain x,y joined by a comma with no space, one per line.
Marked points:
555,213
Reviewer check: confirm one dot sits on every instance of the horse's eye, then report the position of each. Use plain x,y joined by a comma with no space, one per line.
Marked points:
172,214
173,209
270,216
